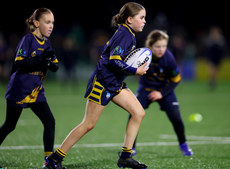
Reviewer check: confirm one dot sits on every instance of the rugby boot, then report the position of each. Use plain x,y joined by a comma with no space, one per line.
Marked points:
130,163
134,152
186,150
51,163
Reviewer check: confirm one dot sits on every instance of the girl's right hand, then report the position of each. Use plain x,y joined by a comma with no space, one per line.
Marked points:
142,70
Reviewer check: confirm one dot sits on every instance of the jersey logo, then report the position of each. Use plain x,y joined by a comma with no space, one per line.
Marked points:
118,51
133,47
33,53
108,95
161,70
21,53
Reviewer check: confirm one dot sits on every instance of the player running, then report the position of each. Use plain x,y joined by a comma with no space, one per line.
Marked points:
34,56
106,84
158,85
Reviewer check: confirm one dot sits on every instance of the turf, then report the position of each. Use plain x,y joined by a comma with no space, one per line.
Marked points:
158,147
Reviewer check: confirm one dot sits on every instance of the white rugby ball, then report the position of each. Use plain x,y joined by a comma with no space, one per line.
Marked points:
138,57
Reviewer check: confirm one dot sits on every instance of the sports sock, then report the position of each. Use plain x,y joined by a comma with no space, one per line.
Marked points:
47,153
58,155
126,153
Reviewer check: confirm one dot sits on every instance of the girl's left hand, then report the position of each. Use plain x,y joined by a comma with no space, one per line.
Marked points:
142,70
155,95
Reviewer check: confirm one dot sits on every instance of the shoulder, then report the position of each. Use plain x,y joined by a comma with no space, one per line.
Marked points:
47,41
169,55
25,40
125,32
28,36
169,59
121,38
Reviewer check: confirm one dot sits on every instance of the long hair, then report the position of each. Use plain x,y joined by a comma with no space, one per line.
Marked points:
129,9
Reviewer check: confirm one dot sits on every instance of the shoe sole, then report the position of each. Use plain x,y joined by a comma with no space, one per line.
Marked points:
45,168
119,165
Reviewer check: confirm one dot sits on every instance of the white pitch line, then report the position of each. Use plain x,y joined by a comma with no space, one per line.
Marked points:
209,138
201,141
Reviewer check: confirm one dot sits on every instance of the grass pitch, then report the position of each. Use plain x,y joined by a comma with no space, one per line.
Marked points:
157,145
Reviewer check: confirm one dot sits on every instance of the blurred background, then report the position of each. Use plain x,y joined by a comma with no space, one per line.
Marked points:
199,35
199,39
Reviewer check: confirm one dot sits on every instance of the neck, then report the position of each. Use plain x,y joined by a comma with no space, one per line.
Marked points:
155,58
38,34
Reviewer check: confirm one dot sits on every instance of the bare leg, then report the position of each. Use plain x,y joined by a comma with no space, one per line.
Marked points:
128,101
92,114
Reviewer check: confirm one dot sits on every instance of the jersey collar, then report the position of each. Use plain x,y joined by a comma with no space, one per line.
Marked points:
129,28
40,41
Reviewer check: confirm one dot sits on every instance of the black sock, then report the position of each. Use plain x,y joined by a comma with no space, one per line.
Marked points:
58,155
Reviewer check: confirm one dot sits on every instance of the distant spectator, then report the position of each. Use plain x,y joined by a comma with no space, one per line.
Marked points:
70,58
3,48
215,46
178,46
98,41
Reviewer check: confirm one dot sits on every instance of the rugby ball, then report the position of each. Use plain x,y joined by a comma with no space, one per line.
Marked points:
138,57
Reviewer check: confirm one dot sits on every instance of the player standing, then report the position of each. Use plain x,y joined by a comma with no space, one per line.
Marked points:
215,51
158,85
106,84
34,56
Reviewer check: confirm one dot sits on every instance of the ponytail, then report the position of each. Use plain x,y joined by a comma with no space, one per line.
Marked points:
36,16
129,9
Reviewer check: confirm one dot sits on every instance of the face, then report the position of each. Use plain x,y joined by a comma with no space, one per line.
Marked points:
159,47
137,22
45,25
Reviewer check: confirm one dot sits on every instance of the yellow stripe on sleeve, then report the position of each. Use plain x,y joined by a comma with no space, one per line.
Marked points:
55,61
118,57
176,78
18,58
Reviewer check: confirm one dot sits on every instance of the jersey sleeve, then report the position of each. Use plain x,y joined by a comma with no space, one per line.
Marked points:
23,61
22,49
173,68
120,47
119,50
51,50
174,75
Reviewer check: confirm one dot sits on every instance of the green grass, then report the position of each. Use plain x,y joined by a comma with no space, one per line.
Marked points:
67,104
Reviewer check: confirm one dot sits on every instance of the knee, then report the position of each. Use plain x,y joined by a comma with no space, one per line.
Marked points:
139,115
89,126
11,128
174,115
142,114
50,122
8,127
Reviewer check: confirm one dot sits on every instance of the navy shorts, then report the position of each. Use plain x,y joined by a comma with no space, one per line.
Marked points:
98,93
167,103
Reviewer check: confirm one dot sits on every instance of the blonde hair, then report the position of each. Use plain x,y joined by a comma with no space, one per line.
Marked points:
36,16
154,36
129,9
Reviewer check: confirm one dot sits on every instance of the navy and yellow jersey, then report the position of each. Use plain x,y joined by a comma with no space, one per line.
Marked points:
110,68
163,75
26,81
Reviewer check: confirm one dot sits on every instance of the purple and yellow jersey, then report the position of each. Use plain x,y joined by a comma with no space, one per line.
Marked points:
161,73
27,87
117,48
